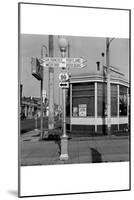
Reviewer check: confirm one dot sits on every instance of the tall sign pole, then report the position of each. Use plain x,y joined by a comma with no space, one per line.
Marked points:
43,55
64,138
108,88
64,63
51,87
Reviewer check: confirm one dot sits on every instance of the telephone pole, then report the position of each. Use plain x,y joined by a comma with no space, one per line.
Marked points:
108,87
51,87
43,55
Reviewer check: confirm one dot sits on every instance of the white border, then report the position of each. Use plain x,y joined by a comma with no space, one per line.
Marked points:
60,20
56,20
74,178
8,88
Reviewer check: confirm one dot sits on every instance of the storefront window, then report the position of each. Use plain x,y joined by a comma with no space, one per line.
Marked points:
68,102
101,99
113,100
83,99
123,100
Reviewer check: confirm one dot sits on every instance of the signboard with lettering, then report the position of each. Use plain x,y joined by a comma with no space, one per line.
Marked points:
82,110
63,62
64,85
36,68
63,77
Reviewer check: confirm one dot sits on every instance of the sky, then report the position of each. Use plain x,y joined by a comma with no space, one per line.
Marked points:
90,48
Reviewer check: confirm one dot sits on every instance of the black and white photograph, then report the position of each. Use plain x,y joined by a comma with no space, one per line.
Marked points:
74,99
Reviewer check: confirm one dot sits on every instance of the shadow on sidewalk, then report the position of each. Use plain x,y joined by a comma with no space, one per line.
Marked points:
96,156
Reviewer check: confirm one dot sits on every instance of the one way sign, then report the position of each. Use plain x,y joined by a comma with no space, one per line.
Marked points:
64,85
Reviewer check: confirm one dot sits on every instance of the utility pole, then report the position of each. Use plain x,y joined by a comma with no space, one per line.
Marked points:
41,104
41,92
108,88
43,55
51,87
37,72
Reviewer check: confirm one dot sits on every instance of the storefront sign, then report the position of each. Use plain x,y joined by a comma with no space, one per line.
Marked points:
82,110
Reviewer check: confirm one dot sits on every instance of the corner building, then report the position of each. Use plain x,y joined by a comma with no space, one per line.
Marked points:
86,107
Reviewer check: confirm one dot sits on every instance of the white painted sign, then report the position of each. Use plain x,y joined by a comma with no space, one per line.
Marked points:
82,110
75,65
63,77
63,62
64,85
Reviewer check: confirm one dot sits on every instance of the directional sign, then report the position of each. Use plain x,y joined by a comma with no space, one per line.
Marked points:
74,60
63,77
63,62
75,65
64,85
53,60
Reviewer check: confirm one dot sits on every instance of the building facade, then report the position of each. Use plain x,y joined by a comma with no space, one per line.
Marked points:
30,107
87,104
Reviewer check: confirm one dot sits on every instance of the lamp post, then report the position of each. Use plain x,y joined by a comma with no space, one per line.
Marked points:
64,138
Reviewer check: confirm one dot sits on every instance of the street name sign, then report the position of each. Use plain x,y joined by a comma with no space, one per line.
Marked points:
63,62
75,65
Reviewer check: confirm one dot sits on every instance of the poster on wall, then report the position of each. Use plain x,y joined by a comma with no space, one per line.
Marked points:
75,111
82,110
55,39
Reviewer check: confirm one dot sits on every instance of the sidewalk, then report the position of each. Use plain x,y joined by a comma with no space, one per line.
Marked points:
35,135
80,150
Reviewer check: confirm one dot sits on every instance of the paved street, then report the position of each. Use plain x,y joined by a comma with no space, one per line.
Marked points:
81,149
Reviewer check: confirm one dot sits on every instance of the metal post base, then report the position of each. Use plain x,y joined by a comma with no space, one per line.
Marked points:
64,148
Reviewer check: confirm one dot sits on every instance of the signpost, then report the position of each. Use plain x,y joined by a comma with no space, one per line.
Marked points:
60,62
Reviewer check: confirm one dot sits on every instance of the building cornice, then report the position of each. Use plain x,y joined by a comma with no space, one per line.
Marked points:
99,78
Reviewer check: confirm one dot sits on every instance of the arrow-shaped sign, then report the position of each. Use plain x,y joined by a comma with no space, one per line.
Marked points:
63,62
64,84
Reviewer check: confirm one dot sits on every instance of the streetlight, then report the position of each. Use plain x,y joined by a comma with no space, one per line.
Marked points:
63,44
